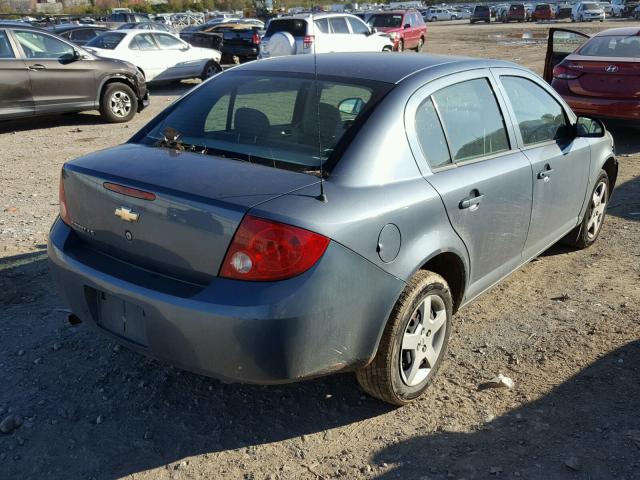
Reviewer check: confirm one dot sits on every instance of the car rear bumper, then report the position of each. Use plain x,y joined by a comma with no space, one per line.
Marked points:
240,51
604,107
326,320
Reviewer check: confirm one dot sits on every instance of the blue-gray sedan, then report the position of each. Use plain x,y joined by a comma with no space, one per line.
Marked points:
291,218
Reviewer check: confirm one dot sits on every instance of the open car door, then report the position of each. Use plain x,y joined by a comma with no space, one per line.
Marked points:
561,44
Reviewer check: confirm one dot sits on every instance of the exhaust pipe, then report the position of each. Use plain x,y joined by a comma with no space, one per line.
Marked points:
73,320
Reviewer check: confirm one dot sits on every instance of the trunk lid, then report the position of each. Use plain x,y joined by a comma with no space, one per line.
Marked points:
605,77
185,231
240,37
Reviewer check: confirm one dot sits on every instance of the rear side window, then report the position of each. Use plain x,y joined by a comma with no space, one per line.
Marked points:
612,46
107,40
322,25
5,47
338,25
471,116
294,26
431,136
539,116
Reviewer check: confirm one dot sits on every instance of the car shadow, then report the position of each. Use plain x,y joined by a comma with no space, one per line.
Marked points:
52,121
94,410
585,428
625,135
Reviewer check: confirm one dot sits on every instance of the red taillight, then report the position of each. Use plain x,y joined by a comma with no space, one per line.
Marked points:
64,210
255,39
563,73
264,250
307,41
129,192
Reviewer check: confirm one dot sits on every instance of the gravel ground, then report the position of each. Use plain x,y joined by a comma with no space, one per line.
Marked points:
565,328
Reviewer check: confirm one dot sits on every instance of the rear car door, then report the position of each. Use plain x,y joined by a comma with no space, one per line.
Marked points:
560,45
461,131
340,37
16,99
560,161
59,80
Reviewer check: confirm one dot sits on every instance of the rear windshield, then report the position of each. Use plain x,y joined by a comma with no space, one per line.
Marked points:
516,8
386,21
481,9
543,7
288,121
591,6
107,40
614,46
294,26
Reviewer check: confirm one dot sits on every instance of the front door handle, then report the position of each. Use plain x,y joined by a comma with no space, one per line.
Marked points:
546,173
472,201
37,66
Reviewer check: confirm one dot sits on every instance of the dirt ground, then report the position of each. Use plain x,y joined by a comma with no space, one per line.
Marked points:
565,328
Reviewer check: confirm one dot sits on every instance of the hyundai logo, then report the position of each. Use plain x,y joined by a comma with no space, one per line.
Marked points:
611,69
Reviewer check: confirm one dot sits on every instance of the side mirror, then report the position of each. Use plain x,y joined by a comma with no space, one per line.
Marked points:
351,106
77,55
588,127
406,25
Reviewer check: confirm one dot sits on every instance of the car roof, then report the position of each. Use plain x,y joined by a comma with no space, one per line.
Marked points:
622,32
378,66
64,28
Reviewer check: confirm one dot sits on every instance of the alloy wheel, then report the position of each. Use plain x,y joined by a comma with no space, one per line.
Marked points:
120,104
423,340
598,207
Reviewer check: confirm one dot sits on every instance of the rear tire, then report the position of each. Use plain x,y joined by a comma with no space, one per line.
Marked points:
413,343
585,234
119,103
420,45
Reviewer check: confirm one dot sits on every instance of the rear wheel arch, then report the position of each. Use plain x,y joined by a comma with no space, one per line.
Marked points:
451,267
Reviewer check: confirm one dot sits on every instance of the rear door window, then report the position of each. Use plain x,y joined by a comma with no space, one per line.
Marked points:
431,135
322,25
540,117
143,41
83,35
107,40
472,118
5,47
338,25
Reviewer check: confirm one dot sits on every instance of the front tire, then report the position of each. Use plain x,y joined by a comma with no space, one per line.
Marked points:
585,234
414,342
401,46
119,103
210,69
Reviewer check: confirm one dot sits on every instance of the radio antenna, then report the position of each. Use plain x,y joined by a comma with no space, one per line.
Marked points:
322,197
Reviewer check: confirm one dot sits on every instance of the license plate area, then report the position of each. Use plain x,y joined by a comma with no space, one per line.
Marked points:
122,318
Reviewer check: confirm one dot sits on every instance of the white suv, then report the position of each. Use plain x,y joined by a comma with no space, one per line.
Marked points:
587,12
321,33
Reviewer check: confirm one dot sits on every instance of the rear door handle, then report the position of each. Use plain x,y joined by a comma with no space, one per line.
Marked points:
37,66
471,202
545,174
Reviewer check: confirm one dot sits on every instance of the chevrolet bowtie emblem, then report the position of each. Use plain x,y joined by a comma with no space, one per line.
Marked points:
126,214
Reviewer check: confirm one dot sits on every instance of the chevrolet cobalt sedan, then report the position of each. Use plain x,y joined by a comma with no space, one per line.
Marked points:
289,219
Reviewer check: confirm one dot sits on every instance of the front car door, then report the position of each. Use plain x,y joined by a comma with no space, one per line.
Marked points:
560,45
560,161
360,36
59,81
458,127
16,99
144,52
176,52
